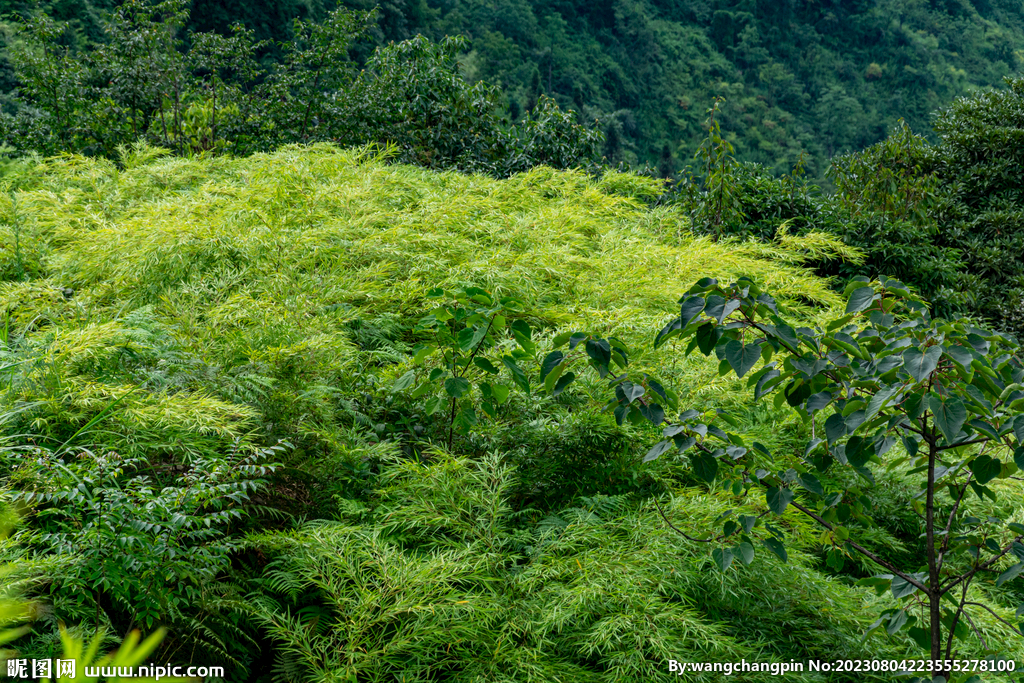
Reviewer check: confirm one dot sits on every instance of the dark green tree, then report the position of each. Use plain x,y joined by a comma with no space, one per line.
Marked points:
978,162
210,94
666,163
884,386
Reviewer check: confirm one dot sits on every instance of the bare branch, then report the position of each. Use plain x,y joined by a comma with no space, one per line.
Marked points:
681,533
989,610
687,536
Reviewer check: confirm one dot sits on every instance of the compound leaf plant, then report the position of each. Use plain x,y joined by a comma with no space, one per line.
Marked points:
886,387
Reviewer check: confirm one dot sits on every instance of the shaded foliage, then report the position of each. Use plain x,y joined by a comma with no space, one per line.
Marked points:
213,95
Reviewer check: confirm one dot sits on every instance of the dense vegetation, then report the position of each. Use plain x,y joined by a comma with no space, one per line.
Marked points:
941,216
213,95
802,79
337,365
183,315
944,217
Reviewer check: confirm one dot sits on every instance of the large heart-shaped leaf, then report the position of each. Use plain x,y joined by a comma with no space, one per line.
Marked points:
658,450
485,365
405,381
523,335
550,362
631,391
778,499
722,557
860,299
500,393
654,413
835,427
741,356
552,377
518,376
745,552
818,401
960,355
1010,574
667,332
923,638
766,383
901,588
728,309
775,545
896,622
563,381
707,337
1018,429
601,353
690,308
704,466
811,483
920,364
456,387
470,337
950,415
879,401
985,469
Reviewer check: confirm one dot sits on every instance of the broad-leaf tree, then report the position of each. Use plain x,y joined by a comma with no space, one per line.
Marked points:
466,339
209,93
887,388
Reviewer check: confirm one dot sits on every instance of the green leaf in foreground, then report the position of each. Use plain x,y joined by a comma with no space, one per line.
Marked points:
860,299
722,558
777,548
950,414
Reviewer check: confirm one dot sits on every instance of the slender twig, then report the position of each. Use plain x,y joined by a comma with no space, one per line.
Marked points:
963,443
986,565
976,631
956,619
681,533
949,522
864,551
687,536
989,610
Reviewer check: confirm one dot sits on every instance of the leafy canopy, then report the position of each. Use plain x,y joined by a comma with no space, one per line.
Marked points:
884,373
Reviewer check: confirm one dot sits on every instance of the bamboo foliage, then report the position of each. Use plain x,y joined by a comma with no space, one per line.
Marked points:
183,305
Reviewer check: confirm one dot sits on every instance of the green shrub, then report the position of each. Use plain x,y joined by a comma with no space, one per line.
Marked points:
143,543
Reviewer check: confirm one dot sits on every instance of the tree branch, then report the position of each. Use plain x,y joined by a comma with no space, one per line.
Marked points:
989,610
962,443
864,551
986,565
976,631
687,536
949,522
681,533
956,619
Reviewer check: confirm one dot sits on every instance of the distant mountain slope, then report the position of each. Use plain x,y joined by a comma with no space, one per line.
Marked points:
800,77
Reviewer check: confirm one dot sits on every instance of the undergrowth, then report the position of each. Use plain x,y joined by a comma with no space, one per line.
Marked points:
163,315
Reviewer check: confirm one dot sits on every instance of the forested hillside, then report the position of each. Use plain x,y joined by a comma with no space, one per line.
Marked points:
799,77
328,353
802,80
